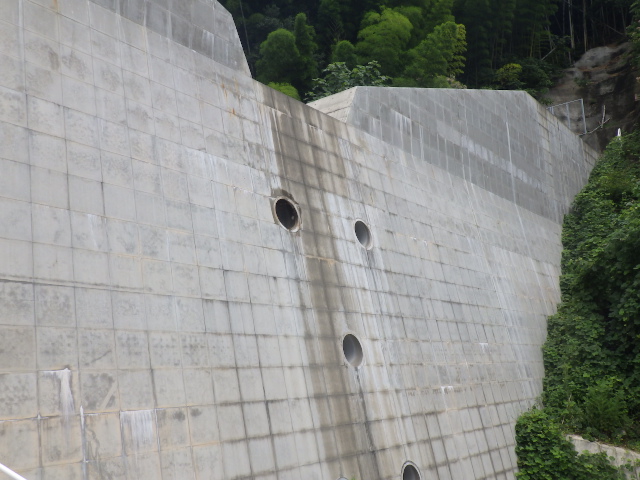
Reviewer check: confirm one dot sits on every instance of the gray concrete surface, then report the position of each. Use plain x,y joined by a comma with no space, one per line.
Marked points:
619,457
157,321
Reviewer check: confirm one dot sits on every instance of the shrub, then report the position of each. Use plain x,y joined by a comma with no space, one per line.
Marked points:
338,77
605,409
286,88
545,454
508,76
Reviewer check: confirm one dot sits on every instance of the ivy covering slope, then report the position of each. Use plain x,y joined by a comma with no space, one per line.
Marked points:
592,352
544,453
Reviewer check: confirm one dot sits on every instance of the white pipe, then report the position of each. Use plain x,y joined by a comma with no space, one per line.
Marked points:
11,473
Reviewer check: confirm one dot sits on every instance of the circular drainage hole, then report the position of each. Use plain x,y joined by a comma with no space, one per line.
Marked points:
287,214
364,234
352,350
410,473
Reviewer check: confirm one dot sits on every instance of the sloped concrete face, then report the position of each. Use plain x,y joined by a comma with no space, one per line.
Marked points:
184,293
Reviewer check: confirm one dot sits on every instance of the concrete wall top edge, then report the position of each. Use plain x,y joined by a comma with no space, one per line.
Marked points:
204,26
461,125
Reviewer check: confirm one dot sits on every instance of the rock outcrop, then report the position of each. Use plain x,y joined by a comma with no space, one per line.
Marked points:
604,77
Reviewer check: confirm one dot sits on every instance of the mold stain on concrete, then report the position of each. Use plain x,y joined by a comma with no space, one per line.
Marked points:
325,354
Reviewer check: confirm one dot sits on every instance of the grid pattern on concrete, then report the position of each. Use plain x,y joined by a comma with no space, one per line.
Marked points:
157,322
512,150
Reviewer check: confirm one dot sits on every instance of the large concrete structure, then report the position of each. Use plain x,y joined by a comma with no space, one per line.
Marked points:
201,278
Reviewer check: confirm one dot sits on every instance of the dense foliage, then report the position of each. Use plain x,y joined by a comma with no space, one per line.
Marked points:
285,88
592,354
509,44
544,453
338,77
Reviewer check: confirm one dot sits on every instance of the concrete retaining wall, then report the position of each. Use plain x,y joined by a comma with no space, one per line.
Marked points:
617,456
158,321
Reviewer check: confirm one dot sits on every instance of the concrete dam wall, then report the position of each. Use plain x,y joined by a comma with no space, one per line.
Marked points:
201,278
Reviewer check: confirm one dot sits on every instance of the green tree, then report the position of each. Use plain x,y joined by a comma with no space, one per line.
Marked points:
305,36
286,88
280,59
255,21
437,57
477,16
338,77
330,25
353,13
537,76
305,42
508,76
383,38
418,21
345,52
439,13
422,4
605,408
502,25
456,64
531,27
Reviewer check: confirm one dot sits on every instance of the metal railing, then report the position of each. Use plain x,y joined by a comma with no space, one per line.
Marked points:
11,473
558,111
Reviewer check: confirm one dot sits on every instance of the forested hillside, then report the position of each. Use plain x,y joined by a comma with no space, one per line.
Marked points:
509,44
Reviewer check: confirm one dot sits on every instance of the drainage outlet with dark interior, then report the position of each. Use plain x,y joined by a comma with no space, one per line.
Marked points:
364,234
410,473
352,350
287,214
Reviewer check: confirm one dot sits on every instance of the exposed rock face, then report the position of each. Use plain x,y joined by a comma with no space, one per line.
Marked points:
605,79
